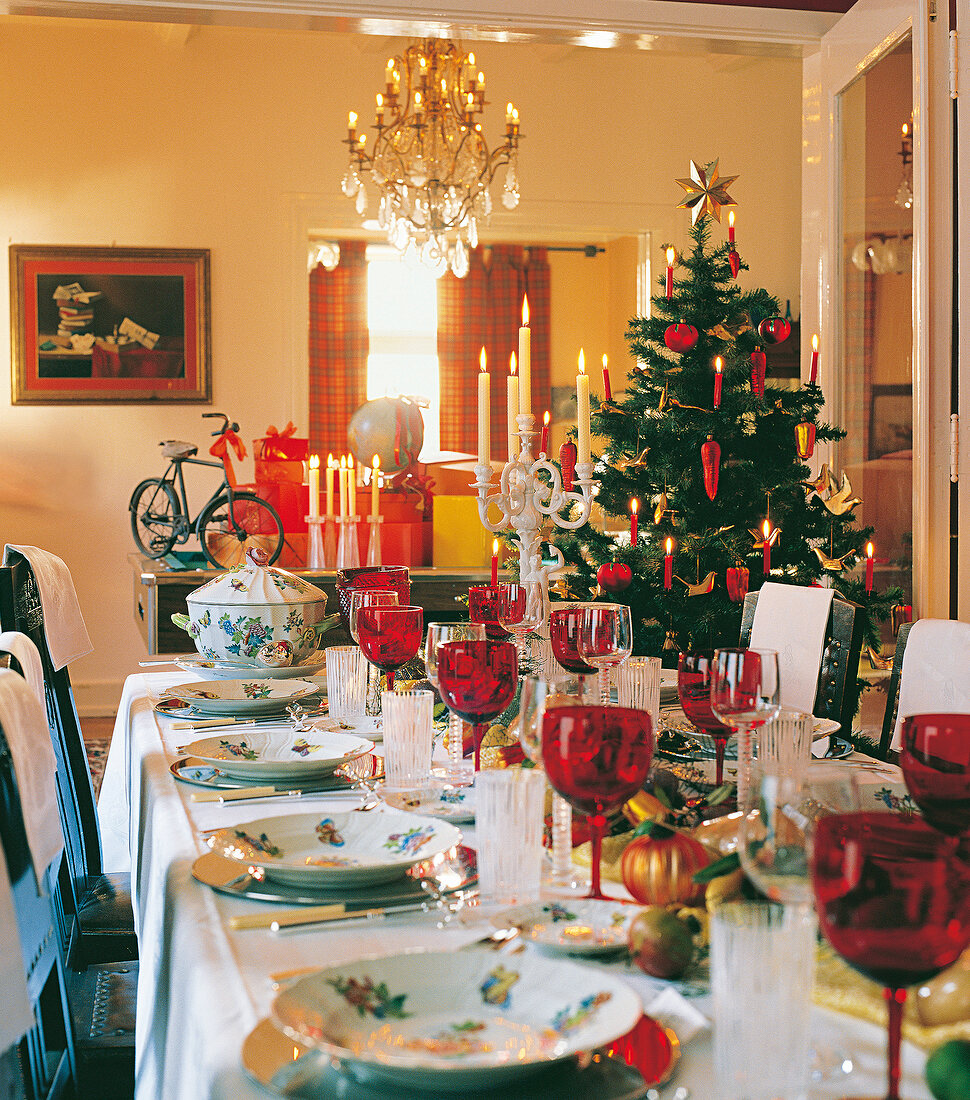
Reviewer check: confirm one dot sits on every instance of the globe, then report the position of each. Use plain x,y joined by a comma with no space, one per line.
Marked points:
376,425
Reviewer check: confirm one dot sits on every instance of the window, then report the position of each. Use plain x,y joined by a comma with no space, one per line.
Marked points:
402,317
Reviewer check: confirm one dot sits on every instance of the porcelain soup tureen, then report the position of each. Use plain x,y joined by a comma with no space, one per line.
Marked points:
256,607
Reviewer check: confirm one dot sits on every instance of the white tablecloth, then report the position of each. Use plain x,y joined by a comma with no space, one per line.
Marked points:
202,988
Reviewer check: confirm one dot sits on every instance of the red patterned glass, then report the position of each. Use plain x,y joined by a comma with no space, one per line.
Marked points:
390,636
484,604
893,899
694,688
596,757
935,759
477,681
394,577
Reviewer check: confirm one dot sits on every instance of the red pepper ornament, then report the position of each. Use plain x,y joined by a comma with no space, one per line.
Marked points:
735,261
736,579
567,463
711,462
759,365
805,439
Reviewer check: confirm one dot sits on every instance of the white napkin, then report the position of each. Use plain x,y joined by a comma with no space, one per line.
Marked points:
934,679
25,725
67,636
26,653
16,1017
792,619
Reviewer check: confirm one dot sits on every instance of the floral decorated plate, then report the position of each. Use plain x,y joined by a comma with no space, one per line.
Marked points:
241,697
333,849
441,800
583,926
371,728
280,753
196,773
455,1020
232,670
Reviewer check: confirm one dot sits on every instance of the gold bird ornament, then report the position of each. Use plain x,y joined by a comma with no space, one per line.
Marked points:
840,501
816,485
833,565
703,588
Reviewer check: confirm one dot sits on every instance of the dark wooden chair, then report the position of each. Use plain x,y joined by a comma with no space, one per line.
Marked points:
97,906
41,1066
837,696
892,692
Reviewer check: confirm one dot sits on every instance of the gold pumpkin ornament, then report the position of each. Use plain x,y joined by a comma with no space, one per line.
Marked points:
659,865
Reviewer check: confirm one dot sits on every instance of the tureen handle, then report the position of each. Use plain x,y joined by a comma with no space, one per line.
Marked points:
258,556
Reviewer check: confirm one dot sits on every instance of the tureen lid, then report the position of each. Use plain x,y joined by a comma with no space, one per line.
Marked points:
256,582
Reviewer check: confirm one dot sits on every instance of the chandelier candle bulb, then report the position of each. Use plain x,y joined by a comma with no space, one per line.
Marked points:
544,438
731,227
718,380
314,486
484,412
380,110
669,564
582,410
494,561
868,566
766,548
375,479
330,468
525,360
813,376
352,126
513,409
670,273
607,387
634,509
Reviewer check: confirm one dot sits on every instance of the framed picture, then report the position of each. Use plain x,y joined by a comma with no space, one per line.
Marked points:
890,420
109,325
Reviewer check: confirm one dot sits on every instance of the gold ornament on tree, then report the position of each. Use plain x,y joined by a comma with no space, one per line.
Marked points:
705,194
702,588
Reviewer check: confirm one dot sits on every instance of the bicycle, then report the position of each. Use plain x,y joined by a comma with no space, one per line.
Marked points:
231,522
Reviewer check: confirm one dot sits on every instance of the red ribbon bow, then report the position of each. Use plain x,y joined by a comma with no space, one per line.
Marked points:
287,431
220,449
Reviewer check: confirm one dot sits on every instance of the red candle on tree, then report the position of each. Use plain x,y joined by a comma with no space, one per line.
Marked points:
670,273
634,507
494,561
607,388
766,529
718,381
731,227
544,438
669,565
868,566
813,376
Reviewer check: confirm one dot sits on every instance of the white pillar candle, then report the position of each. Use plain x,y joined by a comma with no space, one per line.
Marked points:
484,412
513,409
343,486
582,410
525,360
375,508
314,485
330,469
351,486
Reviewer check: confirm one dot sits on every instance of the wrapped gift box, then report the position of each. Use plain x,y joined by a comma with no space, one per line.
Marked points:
459,539
405,543
280,457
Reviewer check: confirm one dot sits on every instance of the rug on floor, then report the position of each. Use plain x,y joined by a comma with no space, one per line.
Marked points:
97,750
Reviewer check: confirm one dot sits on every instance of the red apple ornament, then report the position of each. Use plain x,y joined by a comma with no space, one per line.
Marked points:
614,576
774,330
680,338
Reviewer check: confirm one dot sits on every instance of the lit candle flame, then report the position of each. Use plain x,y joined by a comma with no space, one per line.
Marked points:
605,362
868,549
766,527
670,546
343,462
330,462
351,120
545,418
471,60
525,310
482,360
905,129
494,548
380,101
582,361
671,256
719,364
634,506
512,363
315,465
731,219
815,342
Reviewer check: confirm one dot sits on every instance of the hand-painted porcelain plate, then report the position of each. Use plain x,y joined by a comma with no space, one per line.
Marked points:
371,728
336,848
241,697
278,753
455,1020
192,770
441,800
227,670
566,927
288,1068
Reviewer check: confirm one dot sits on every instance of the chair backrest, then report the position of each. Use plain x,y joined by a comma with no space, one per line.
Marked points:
21,610
45,1066
837,696
892,692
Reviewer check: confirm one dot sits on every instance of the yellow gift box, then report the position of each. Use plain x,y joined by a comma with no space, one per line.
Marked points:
460,540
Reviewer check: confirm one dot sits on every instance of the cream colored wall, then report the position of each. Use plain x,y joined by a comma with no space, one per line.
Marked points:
229,139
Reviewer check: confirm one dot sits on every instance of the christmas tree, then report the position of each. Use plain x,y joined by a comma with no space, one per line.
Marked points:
716,457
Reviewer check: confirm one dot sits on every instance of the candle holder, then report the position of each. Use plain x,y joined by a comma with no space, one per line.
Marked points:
348,548
374,540
524,499
316,557
330,543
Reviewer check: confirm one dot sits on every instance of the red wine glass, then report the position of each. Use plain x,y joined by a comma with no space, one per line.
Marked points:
520,612
935,759
368,597
484,601
477,681
694,689
597,758
893,899
395,577
605,638
390,636
564,626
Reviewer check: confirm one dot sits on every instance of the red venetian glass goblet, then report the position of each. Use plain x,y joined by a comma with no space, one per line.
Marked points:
390,636
694,689
484,604
935,759
597,758
564,627
394,577
477,681
893,899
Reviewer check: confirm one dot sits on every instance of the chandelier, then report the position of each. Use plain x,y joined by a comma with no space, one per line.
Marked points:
430,162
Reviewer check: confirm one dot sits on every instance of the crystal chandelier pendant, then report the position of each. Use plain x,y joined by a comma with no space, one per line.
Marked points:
361,204
459,259
904,195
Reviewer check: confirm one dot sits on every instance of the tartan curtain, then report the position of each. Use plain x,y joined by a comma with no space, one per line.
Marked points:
339,343
485,308
860,295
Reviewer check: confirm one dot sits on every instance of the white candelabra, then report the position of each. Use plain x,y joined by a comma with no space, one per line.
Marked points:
524,498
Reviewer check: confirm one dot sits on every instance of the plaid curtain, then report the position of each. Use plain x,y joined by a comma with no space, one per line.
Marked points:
485,308
860,296
339,343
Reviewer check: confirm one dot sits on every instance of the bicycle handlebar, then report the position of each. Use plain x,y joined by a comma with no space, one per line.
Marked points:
226,425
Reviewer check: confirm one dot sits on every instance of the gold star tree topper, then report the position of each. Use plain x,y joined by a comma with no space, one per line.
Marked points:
705,195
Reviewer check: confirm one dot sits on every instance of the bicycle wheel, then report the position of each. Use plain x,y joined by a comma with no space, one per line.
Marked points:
227,533
155,517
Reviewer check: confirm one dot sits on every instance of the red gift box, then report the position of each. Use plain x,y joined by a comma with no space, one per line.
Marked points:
406,543
291,500
285,446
